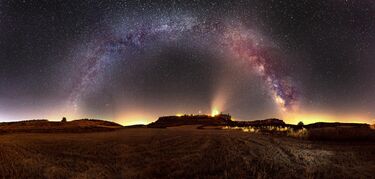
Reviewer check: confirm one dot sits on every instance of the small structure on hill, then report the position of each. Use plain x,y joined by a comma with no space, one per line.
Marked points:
225,117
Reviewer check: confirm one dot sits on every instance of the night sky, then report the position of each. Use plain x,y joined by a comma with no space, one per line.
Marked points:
133,61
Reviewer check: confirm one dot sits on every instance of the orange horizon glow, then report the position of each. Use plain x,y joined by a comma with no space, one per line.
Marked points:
143,116
309,118
289,118
134,118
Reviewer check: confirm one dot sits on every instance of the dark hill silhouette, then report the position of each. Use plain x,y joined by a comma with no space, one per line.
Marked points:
265,122
336,124
225,120
170,121
206,120
43,125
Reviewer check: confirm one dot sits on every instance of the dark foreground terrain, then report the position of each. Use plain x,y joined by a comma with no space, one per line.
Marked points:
180,152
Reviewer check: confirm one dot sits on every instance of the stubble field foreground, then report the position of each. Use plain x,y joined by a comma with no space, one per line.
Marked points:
181,152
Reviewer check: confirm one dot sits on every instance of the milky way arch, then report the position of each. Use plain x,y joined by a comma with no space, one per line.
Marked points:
232,39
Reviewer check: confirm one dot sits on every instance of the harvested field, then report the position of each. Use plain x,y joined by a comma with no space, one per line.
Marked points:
179,152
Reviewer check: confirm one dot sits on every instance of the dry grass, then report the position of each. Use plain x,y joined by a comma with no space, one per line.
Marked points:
181,152
338,133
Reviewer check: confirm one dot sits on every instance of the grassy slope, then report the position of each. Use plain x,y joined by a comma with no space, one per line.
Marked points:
179,152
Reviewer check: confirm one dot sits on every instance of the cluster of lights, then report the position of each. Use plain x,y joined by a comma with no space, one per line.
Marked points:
214,112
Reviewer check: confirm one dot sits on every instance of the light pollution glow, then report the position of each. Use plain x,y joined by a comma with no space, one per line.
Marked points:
137,116
290,118
215,112
219,104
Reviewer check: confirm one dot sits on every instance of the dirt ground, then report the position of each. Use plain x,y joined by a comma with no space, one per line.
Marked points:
180,152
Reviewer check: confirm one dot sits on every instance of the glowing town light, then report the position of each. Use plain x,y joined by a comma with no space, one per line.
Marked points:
215,112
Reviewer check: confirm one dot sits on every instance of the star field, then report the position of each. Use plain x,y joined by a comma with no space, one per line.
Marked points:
137,60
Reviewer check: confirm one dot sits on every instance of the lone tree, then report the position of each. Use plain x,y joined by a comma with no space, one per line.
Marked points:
300,123
63,119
